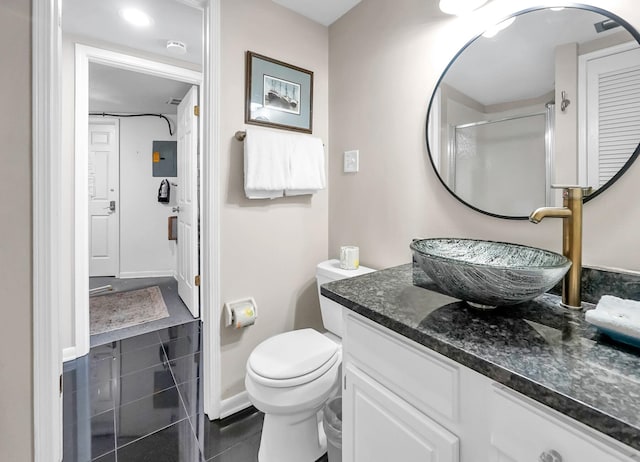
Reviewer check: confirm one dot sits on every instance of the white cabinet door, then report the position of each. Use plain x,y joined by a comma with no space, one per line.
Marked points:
379,426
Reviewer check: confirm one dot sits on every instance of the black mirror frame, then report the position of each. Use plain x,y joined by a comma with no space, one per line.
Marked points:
634,33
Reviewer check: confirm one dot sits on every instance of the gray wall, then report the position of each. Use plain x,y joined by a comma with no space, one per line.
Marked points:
16,416
270,248
144,247
404,46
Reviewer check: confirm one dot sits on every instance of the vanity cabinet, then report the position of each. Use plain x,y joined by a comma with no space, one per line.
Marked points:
402,401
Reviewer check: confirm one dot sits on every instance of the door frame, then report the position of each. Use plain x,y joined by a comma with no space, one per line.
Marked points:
114,122
84,55
48,223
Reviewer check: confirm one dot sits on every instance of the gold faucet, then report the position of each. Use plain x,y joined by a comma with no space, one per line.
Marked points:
571,213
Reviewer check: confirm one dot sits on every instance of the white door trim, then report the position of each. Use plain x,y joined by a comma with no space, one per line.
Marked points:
83,56
47,149
47,222
211,200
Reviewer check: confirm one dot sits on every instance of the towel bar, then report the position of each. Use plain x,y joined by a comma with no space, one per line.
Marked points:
241,135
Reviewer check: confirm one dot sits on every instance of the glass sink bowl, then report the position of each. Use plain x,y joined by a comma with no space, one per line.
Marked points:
487,274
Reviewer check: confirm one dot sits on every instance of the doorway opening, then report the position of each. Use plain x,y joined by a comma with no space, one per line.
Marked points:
138,157
135,177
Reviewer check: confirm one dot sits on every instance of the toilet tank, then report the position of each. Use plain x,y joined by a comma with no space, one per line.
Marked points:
328,271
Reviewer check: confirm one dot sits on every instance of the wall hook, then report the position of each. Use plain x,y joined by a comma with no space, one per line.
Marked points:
565,101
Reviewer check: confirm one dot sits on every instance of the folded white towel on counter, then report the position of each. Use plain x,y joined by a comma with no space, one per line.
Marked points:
616,314
266,163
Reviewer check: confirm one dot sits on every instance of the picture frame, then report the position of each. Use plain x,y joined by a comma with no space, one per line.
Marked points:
277,94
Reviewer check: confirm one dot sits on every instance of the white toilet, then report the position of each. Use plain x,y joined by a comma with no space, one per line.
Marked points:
291,375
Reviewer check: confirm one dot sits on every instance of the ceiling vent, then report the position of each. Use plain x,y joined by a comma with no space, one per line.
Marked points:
174,101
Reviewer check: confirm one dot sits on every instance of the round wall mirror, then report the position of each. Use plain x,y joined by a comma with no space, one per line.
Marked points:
548,96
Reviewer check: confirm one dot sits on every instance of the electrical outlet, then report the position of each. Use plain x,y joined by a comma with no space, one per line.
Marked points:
351,161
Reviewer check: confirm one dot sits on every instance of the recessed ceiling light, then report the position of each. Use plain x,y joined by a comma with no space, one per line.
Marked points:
136,17
459,7
559,8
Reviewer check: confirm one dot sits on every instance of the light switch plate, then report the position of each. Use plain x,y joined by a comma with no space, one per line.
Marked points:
351,161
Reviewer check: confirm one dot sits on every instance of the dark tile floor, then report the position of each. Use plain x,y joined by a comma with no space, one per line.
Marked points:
140,399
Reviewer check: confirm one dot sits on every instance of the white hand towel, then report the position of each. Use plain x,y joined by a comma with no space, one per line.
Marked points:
299,192
266,163
263,194
619,315
306,166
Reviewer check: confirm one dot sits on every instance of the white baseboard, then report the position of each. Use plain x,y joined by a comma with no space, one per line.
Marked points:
147,274
234,404
69,354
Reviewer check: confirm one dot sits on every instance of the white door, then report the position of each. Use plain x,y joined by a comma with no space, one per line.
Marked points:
187,196
379,426
612,112
104,221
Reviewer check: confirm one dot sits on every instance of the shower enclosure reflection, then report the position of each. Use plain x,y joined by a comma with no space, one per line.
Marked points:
501,163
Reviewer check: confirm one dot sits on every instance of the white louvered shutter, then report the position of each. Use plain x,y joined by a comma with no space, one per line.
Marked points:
613,114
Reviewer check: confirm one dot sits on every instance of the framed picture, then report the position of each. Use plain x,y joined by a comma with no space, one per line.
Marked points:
278,95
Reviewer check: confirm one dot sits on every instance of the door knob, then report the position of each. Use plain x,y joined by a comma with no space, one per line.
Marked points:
112,206
176,209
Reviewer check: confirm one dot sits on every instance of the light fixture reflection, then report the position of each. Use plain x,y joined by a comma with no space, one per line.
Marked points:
459,7
493,31
136,17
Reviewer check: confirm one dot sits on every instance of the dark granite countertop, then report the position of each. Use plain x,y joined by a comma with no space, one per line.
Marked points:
538,348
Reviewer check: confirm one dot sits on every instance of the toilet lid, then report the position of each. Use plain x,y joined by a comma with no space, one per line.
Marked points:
292,354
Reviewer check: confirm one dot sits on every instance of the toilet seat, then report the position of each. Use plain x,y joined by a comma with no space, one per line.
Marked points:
292,359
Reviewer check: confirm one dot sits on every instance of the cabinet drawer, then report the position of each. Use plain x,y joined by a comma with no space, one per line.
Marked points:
522,430
423,378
